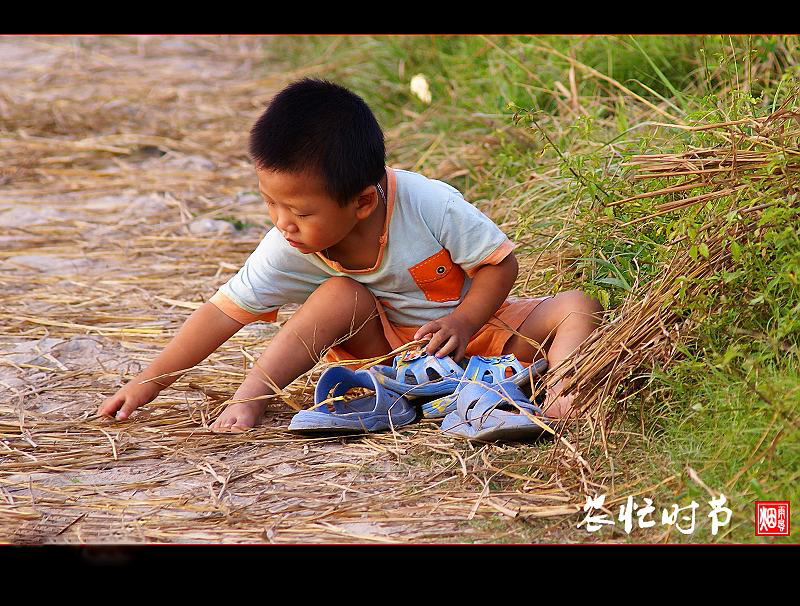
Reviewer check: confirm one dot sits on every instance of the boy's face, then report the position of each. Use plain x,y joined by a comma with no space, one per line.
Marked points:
303,211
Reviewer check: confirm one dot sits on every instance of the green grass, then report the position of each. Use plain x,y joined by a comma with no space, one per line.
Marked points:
738,430
503,128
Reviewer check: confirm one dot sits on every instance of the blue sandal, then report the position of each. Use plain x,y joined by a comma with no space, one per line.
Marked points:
490,370
417,374
377,412
492,412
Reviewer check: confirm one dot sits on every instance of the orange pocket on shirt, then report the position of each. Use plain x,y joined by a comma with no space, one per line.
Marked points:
438,277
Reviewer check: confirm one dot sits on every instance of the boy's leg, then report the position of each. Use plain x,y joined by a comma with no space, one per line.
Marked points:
564,321
339,307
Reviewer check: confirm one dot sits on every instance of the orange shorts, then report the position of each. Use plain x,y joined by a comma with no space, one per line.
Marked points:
488,341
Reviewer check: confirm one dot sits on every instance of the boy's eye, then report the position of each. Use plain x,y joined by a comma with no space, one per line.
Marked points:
301,216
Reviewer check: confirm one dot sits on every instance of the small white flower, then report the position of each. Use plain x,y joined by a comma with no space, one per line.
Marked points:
419,86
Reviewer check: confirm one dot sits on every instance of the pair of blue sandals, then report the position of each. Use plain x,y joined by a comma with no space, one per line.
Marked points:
479,402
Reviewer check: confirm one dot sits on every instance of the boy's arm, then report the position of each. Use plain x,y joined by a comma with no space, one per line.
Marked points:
490,286
201,334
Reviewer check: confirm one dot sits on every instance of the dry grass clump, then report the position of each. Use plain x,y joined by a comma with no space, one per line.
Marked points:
755,166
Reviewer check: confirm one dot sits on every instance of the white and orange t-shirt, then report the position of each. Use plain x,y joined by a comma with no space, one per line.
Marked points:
433,243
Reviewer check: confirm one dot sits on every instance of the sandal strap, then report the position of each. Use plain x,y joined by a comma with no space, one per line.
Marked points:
417,364
492,369
534,370
476,401
469,395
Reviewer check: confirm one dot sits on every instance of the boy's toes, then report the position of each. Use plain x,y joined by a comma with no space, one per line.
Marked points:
236,427
222,424
237,417
559,406
233,423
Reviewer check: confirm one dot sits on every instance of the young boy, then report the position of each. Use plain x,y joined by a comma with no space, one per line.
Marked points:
378,257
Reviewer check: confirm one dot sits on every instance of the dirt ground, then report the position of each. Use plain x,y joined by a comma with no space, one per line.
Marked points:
122,157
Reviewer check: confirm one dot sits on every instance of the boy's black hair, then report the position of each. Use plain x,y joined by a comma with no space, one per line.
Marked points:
320,126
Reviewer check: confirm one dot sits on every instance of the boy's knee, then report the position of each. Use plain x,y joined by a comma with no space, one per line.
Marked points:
577,301
578,298
343,290
341,285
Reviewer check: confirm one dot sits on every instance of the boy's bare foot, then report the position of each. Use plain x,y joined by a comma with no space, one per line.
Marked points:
558,406
555,405
239,416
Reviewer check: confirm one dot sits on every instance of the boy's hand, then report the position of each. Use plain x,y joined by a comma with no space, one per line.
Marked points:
202,333
450,334
129,397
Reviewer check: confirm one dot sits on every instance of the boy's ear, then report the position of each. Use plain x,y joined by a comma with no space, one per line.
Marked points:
367,202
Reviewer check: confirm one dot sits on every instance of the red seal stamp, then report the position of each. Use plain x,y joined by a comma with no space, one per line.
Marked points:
772,518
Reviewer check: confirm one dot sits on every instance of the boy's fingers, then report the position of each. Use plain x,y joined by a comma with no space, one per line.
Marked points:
436,342
426,329
108,408
451,344
126,410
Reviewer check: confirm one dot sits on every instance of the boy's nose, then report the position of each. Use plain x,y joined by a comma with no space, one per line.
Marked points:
288,228
284,224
